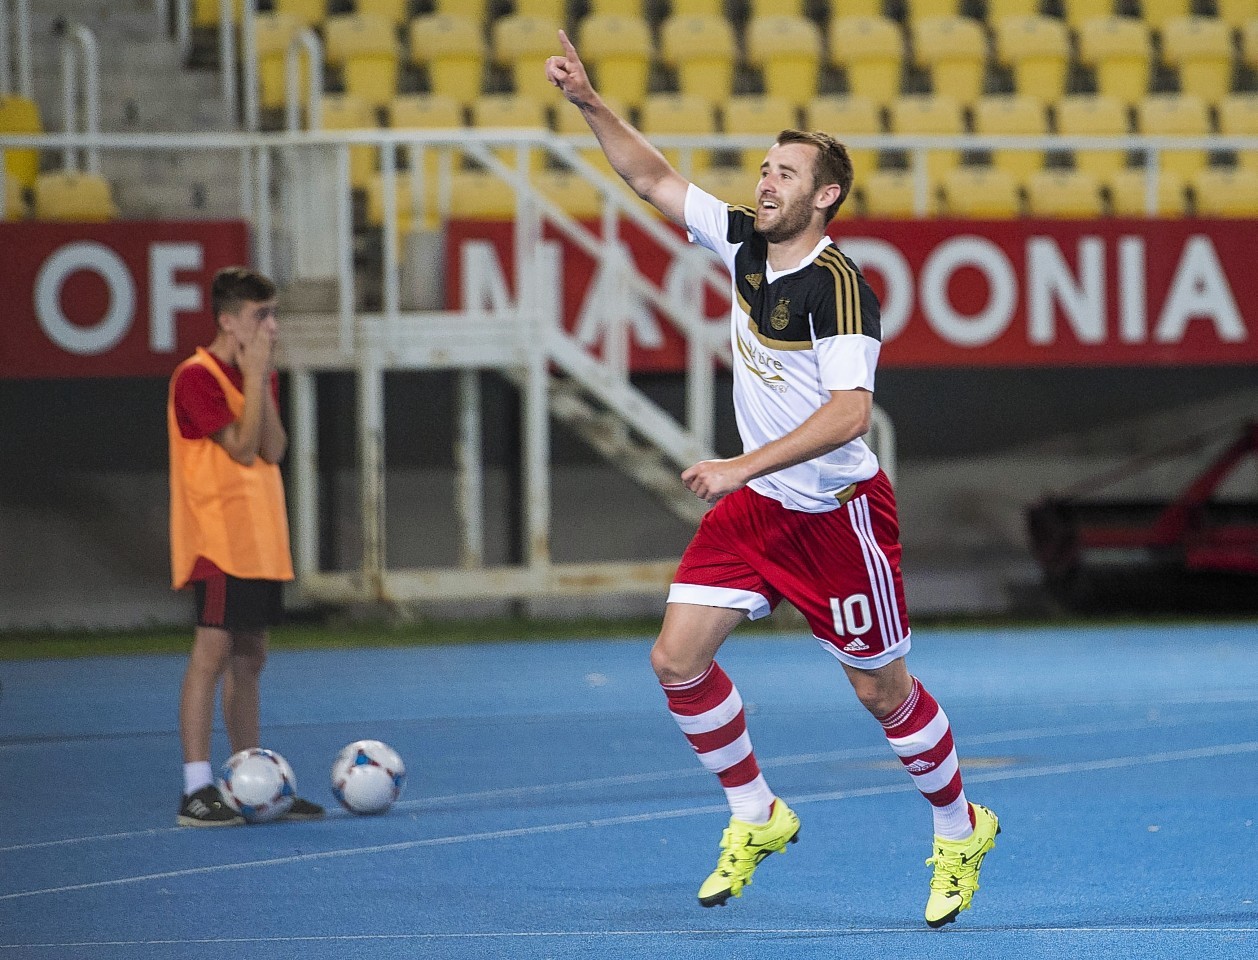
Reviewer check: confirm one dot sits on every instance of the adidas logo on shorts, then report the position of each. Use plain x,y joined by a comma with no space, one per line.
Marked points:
856,646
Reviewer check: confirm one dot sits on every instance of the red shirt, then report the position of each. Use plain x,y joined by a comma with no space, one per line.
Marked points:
201,411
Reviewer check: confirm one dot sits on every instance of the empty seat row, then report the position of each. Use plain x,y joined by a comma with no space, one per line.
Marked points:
668,114
61,195
787,52
990,193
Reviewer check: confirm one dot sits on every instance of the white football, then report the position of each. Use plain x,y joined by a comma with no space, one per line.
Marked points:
368,776
258,784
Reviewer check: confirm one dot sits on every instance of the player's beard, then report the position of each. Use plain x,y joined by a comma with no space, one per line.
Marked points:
793,218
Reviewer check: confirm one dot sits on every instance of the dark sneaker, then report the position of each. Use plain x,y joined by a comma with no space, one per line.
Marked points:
303,810
205,808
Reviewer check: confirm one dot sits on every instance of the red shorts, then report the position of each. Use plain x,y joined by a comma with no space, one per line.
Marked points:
841,569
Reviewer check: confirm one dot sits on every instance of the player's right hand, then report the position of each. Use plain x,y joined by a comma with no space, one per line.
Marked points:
257,352
568,73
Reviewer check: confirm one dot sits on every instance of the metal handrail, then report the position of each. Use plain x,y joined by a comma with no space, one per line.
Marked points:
78,37
15,49
304,41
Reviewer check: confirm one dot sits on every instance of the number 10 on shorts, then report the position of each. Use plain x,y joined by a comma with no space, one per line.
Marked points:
851,616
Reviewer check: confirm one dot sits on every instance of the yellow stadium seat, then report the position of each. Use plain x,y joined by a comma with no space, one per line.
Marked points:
680,113
426,111
475,10
924,9
764,115
1118,49
954,50
842,117
14,202
522,44
891,194
397,12
1238,117
1200,48
616,8
1092,115
998,10
366,50
787,52
1064,194
1002,115
731,184
930,114
511,111
1077,12
205,12
68,195
871,52
547,9
984,193
696,8
20,115
1156,13
310,13
618,50
1127,194
1037,49
1176,115
475,195
571,192
701,49
1226,192
273,32
452,50
348,111
1235,12
777,8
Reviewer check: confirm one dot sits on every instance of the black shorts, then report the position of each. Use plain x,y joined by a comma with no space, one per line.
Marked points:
230,603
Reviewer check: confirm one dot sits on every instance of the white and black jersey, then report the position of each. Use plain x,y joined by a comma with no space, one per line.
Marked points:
796,335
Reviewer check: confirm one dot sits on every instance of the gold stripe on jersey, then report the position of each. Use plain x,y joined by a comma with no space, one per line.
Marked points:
777,344
846,290
742,208
742,303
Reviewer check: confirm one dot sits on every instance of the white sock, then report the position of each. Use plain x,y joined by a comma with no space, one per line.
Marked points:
196,775
953,821
750,802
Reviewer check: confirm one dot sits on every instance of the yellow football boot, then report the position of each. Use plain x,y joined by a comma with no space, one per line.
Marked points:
743,846
956,864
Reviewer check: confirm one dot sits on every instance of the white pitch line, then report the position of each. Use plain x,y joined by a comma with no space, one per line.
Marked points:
1110,763
693,770
609,934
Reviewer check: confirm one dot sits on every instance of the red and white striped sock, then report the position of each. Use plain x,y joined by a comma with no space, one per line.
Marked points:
710,713
919,733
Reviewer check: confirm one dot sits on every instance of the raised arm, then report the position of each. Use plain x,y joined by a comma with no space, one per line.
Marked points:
641,166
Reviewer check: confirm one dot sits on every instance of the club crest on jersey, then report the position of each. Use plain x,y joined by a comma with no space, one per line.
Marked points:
754,279
781,315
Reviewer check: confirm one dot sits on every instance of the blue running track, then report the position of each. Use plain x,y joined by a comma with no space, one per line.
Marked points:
554,810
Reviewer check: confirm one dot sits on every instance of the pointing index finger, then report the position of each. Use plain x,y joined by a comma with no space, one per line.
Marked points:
568,48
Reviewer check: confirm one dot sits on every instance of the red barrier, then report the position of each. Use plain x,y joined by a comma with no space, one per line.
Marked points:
968,293
109,300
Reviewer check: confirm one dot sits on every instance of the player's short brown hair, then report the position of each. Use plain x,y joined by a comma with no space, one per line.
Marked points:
833,165
235,286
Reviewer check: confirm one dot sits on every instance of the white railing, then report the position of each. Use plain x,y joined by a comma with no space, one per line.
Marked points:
15,49
522,335
80,79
